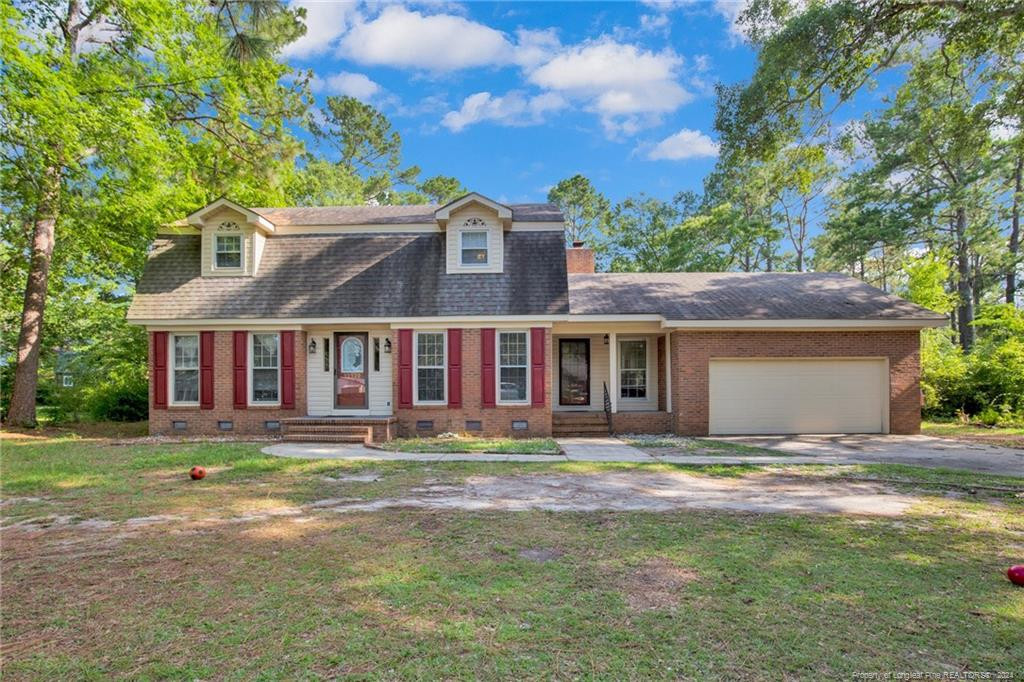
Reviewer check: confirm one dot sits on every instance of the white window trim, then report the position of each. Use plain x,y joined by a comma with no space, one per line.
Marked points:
241,252
416,367
171,363
67,381
497,367
252,388
487,246
647,368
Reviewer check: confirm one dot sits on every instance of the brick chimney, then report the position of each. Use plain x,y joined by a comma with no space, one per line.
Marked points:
579,260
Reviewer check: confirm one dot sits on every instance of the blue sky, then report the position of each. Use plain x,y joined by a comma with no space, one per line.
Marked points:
512,97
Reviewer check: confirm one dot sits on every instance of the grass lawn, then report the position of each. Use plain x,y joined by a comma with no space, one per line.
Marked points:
1006,436
685,445
532,446
233,578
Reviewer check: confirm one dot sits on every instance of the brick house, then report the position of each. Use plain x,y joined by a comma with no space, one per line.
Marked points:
377,321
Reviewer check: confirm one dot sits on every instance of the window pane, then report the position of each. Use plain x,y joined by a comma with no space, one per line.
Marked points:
474,248
430,350
634,354
513,383
264,385
186,352
264,351
430,384
513,348
186,385
229,251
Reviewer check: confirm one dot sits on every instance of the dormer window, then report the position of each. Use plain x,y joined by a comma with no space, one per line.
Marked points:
474,244
228,250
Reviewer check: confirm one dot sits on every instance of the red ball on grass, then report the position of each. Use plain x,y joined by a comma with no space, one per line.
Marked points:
197,472
1016,574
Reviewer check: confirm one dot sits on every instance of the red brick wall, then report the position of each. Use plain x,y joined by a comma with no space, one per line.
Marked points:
247,421
691,352
495,420
642,422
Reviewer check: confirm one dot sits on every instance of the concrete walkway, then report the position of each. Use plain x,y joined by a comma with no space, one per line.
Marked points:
573,449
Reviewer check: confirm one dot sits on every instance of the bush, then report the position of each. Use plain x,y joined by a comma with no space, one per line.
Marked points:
986,384
119,398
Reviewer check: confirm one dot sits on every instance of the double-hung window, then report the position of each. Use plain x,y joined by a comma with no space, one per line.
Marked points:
430,367
474,247
185,369
266,368
633,369
228,251
513,367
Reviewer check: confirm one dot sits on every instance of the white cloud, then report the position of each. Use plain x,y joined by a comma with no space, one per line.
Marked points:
626,85
654,23
325,23
534,47
686,144
514,108
731,11
404,38
346,83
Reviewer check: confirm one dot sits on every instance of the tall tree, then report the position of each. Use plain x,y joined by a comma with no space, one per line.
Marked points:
366,143
115,116
813,56
441,189
932,178
797,178
584,207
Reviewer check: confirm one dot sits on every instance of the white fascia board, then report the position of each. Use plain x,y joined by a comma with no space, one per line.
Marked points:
467,321
504,212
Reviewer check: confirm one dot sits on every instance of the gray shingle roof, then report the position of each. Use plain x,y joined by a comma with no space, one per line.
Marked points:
363,275
390,215
737,296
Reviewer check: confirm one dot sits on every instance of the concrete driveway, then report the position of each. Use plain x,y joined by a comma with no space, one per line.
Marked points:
915,450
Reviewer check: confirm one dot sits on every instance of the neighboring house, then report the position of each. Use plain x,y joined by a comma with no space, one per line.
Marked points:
335,322
64,368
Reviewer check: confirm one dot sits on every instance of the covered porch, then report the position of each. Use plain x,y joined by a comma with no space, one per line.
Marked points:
602,371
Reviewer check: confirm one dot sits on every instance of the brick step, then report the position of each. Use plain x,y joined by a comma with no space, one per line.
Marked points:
325,428
326,437
601,430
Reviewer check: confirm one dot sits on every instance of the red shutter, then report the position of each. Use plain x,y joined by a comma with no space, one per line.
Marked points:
537,365
405,368
487,367
240,370
206,370
454,368
160,370
288,370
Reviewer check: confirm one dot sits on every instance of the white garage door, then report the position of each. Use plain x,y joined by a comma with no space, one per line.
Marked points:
798,396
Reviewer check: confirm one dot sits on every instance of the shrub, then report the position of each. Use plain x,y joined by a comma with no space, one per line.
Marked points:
121,397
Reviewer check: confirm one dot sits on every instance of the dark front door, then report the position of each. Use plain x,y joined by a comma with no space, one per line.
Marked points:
574,371
350,379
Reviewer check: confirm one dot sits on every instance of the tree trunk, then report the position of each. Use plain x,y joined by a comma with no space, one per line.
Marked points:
26,375
1011,275
965,307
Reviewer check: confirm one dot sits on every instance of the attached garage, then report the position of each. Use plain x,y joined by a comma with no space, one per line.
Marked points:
798,395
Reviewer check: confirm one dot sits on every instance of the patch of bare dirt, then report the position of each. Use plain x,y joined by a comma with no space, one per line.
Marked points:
541,554
656,584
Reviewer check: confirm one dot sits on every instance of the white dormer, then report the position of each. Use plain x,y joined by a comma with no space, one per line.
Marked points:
475,239
232,238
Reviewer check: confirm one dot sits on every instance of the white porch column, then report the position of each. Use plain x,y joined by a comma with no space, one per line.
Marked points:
613,370
668,371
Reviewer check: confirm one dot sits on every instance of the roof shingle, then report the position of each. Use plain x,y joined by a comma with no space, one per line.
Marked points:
362,275
390,215
737,296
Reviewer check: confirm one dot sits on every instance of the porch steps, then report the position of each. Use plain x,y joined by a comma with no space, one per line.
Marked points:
330,430
568,424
